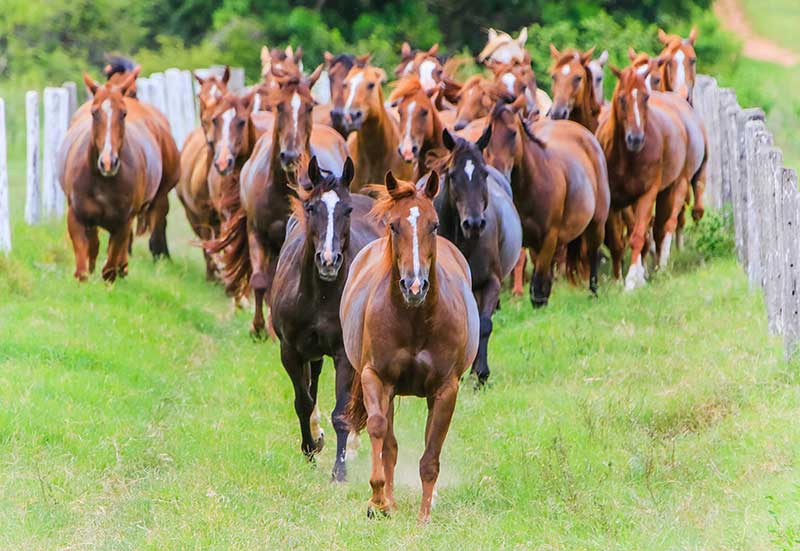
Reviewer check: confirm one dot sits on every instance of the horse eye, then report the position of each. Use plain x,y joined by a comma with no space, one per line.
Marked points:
423,112
347,211
123,114
577,79
622,101
240,123
434,227
393,227
309,208
371,86
693,60
598,80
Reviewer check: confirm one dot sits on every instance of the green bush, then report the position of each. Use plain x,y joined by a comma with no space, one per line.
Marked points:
712,237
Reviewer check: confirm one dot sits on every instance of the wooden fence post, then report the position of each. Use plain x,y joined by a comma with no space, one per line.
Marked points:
72,95
791,262
188,104
159,87
236,82
773,283
755,137
727,101
740,212
144,90
32,199
174,108
5,213
56,104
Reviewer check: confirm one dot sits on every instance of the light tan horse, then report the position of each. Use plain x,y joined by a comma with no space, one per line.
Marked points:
679,71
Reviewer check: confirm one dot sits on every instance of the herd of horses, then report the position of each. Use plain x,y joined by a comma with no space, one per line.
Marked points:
379,231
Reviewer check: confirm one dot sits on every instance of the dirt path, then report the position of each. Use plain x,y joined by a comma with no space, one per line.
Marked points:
733,19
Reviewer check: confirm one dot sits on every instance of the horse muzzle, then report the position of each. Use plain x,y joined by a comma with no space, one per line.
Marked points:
108,167
224,166
473,227
409,152
414,290
290,161
634,141
559,112
328,266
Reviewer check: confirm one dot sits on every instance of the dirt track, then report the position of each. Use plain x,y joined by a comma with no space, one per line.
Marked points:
733,19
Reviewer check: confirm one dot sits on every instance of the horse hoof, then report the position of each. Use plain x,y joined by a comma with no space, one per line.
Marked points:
374,511
259,334
82,277
538,302
697,214
339,473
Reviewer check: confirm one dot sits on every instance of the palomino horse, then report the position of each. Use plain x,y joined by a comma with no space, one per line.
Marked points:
680,70
501,48
476,213
573,88
110,169
196,155
420,125
645,146
375,143
560,185
253,236
411,327
332,227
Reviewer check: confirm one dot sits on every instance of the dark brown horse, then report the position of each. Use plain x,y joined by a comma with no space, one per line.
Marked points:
111,171
573,88
330,228
196,156
253,236
410,327
559,180
646,150
476,213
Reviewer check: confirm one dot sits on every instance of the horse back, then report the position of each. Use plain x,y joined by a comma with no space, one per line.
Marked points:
674,141
693,125
158,126
509,227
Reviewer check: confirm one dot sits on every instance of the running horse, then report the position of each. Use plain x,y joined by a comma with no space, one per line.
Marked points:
476,213
573,89
111,170
253,236
679,71
338,67
560,189
196,156
331,227
375,140
411,327
518,79
645,145
420,125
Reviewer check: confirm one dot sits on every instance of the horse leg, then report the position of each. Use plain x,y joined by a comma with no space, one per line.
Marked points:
674,204
258,281
158,221
94,247
117,261
389,458
376,402
487,303
316,430
519,273
440,413
300,374
595,235
272,265
542,281
615,241
698,187
344,380
643,211
80,245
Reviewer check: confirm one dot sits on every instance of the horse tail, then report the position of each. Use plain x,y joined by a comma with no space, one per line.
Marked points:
577,260
698,178
356,412
235,249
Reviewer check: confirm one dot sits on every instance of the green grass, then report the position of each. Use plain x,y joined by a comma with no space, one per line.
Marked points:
142,416
776,20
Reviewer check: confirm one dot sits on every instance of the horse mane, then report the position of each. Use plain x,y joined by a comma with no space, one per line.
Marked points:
605,132
407,86
118,64
384,201
566,56
500,107
302,195
474,80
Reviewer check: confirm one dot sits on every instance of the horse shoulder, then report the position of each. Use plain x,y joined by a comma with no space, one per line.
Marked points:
255,170
145,150
509,226
74,151
673,141
286,283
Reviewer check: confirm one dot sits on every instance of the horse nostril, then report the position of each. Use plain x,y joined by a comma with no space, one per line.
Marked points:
483,223
403,284
337,260
355,115
415,149
425,285
460,125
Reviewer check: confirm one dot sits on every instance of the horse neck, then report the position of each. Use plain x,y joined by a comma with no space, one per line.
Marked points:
448,213
666,78
378,135
430,143
532,155
247,149
586,111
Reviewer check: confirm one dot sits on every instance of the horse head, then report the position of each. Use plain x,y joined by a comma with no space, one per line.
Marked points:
571,80
629,105
364,96
680,66
231,132
212,90
465,176
417,116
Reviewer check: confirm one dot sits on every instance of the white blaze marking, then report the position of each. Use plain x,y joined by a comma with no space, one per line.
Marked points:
469,168
214,92
355,82
411,107
426,74
635,94
413,214
597,71
509,80
295,110
680,73
642,70
565,70
227,117
257,103
330,198
106,106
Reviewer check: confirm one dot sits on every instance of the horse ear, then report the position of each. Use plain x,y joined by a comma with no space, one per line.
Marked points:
448,140
198,78
289,52
130,80
226,74
433,50
492,34
586,56
363,60
432,185
519,104
348,171
693,36
382,75
662,36
313,171
483,141
391,182
298,56
523,36
405,50
249,102
616,70
554,51
631,54
603,59
90,84
315,75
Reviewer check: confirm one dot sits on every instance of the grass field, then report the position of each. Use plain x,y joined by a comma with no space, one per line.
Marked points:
775,19
142,416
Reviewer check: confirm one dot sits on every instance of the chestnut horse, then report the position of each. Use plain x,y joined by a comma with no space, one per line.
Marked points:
679,72
518,79
111,171
474,101
420,125
338,67
375,143
196,155
253,237
476,213
411,327
560,186
573,88
332,226
646,151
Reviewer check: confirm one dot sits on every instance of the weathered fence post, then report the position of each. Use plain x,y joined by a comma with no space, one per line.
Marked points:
773,284
791,262
159,92
755,137
236,82
144,90
72,94
174,108
742,202
5,213
189,105
32,199
727,101
56,120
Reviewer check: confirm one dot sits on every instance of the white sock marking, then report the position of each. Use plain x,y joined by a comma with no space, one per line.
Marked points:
413,214
355,82
426,74
509,80
469,168
635,95
635,277
330,198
